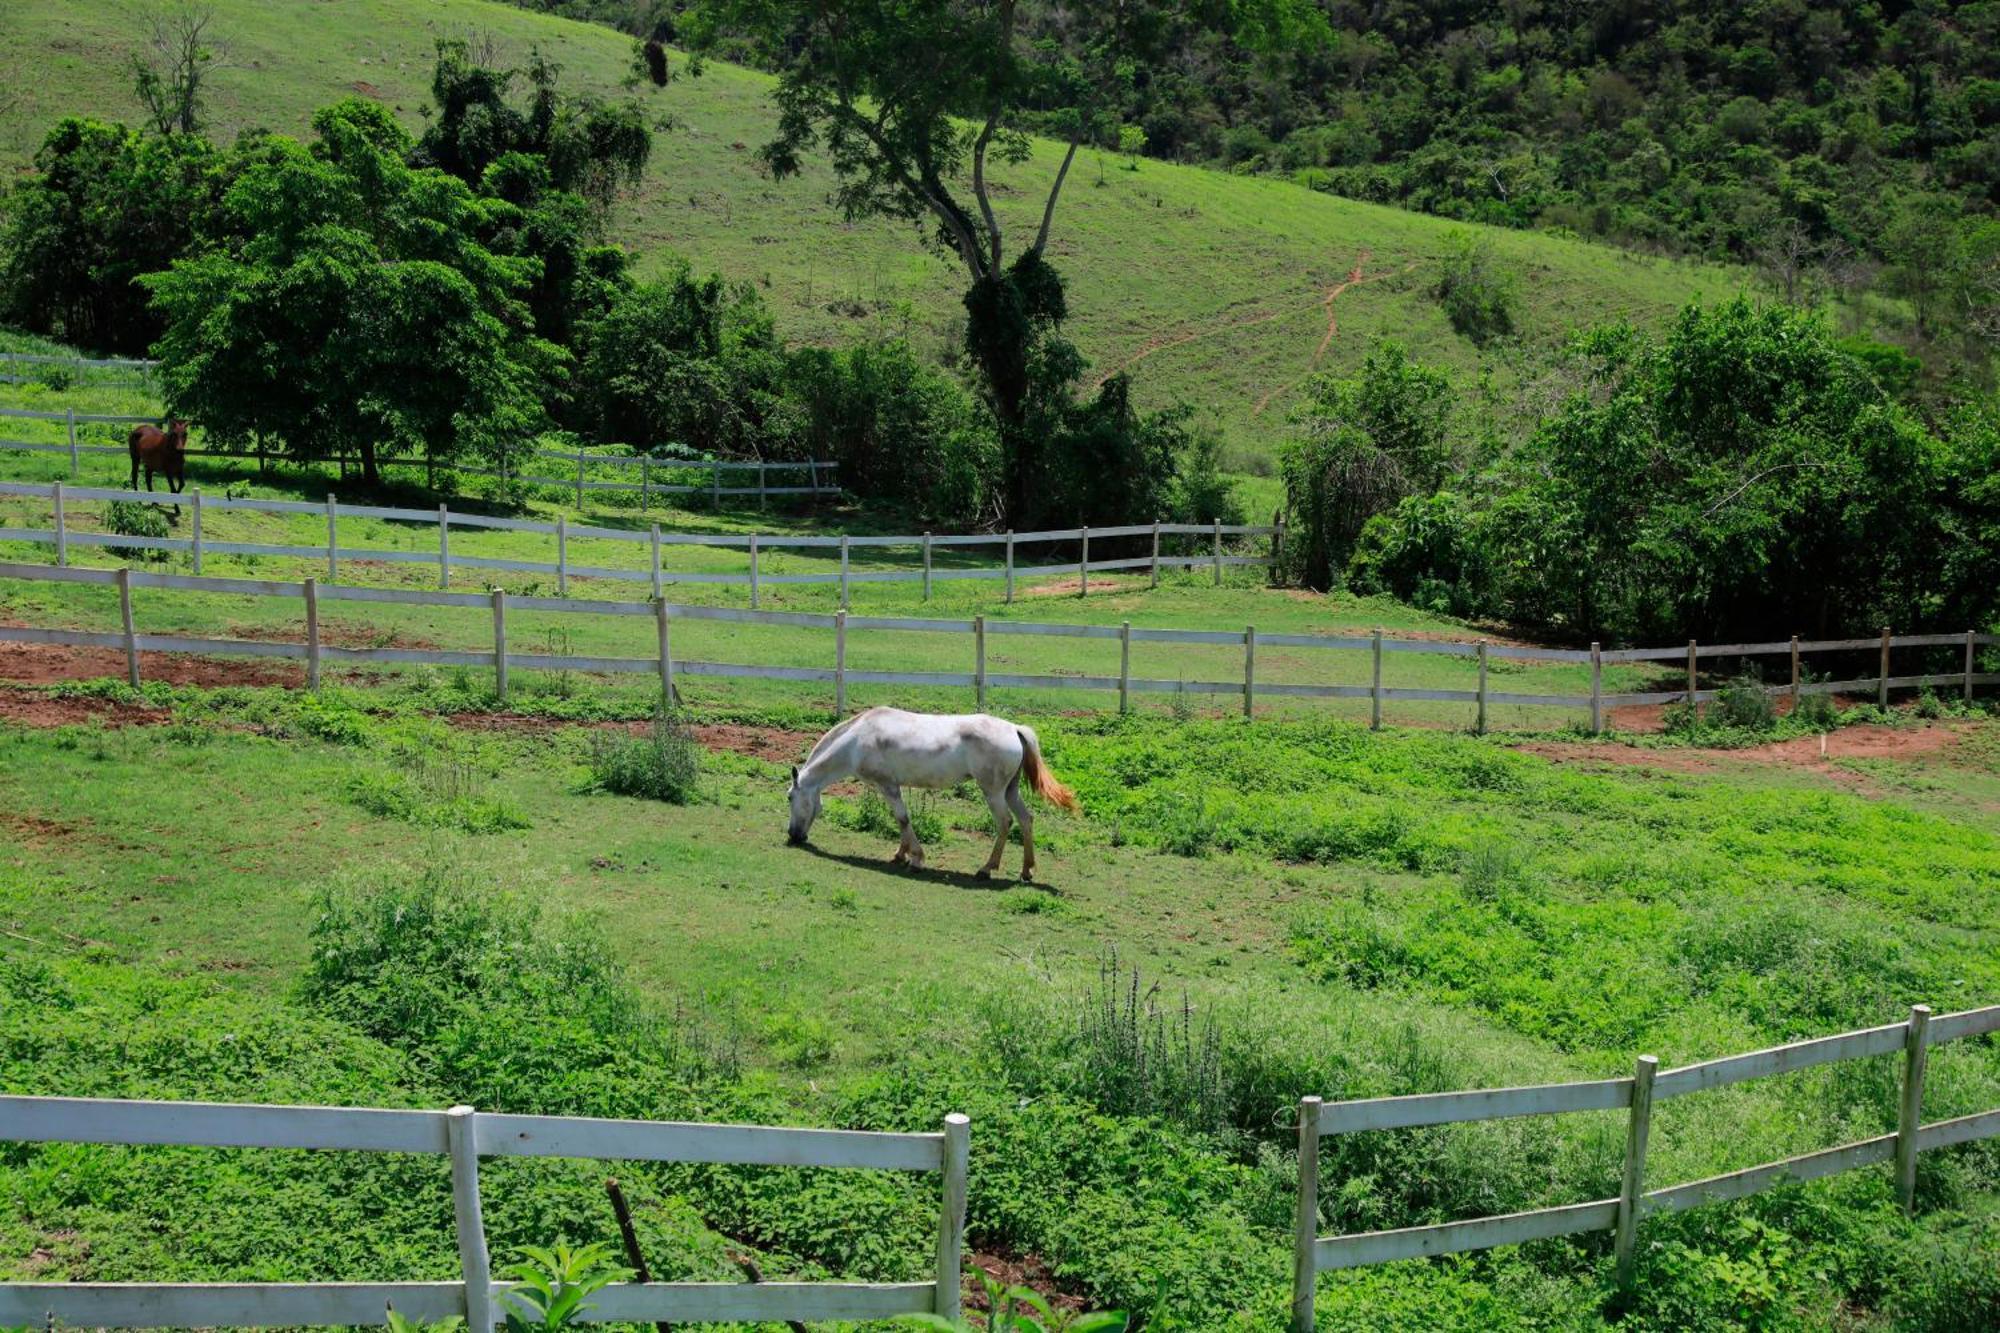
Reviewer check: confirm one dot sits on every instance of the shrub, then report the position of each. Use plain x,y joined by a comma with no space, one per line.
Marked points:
131,518
663,764
1476,289
1745,704
328,717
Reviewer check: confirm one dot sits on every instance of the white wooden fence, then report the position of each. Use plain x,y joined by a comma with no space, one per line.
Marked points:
62,537
1636,1096
136,376
979,680
466,1136
818,476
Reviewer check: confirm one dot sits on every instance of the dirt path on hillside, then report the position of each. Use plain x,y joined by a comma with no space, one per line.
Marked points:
1325,301
1804,753
774,744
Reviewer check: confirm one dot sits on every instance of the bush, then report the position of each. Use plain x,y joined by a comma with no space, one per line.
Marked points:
663,764
1476,289
1745,704
131,518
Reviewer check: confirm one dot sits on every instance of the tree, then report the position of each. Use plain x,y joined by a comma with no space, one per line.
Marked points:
170,71
911,102
349,306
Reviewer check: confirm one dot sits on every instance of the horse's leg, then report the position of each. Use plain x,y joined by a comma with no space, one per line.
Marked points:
910,852
1020,809
135,471
996,800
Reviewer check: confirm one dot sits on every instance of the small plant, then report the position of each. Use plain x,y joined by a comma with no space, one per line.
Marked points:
186,730
327,717
554,1285
128,518
1021,1310
1476,289
1745,704
1182,706
661,765
402,1323
1137,1057
562,681
1817,710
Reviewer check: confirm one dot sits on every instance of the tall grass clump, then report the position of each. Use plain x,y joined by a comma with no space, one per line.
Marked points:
661,764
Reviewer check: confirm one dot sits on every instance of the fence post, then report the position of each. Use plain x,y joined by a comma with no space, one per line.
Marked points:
1124,666
1968,665
1882,690
664,623
1156,553
927,566
979,661
951,1215
462,1136
70,413
839,664
444,548
753,571
1277,547
332,540
1480,725
1218,553
125,616
1596,689
1249,670
1010,566
1305,1226
1795,673
500,644
1637,1129
562,555
656,560
1911,1118
1694,707
843,571
579,481
197,529
62,525
1375,687
312,634
1083,567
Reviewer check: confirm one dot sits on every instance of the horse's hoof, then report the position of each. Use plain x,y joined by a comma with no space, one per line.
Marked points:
1027,877
984,872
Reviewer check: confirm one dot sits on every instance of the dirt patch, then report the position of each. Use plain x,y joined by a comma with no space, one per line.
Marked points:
1030,1271
34,831
333,634
774,744
31,708
1814,754
49,664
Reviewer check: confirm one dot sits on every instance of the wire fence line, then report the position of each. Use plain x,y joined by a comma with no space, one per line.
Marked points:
657,476
976,630
1314,1254
466,1135
62,535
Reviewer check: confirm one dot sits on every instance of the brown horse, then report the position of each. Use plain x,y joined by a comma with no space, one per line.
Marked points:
162,451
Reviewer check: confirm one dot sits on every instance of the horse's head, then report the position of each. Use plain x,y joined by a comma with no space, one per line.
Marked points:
805,809
177,436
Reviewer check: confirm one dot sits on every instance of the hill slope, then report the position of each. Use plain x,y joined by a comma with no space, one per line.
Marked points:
1223,290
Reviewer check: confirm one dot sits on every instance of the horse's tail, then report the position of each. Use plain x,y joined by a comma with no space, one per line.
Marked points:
1036,773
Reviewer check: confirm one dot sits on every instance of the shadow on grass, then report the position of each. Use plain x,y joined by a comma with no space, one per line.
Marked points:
1000,880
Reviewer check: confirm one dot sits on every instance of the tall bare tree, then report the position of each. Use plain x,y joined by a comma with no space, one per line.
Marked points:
171,67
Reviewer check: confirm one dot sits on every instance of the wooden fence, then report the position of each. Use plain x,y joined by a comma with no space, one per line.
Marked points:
1636,1096
657,476
136,376
61,536
466,1136
976,630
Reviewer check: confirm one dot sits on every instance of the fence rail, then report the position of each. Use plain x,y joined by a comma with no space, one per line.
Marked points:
466,1136
1314,1254
978,679
819,474
61,535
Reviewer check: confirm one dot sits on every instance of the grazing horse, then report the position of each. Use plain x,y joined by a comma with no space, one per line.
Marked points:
890,749
162,451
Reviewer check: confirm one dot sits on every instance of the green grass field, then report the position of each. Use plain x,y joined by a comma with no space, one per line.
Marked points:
1210,288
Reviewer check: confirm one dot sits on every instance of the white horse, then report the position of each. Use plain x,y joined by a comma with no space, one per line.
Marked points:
890,749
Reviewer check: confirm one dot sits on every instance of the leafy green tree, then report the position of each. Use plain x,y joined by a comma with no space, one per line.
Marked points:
909,103
349,306
103,206
1363,445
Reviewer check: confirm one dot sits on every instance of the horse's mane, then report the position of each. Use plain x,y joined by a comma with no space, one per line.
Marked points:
836,733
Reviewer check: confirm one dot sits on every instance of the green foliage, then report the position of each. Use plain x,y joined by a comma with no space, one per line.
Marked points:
399,1322
1362,446
553,1285
1020,1310
1135,1056
664,764
1477,289
329,717
133,518
1429,551
445,795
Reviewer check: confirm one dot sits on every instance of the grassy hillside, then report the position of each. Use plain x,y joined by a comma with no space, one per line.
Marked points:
1226,291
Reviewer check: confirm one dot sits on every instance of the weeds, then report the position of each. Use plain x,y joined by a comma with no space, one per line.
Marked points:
130,518
664,764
